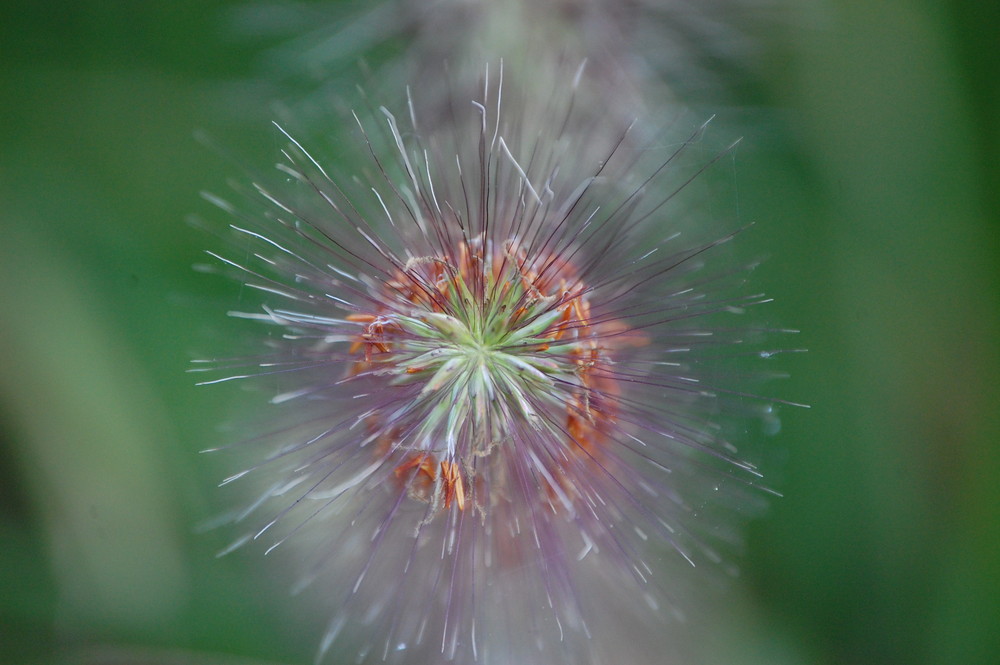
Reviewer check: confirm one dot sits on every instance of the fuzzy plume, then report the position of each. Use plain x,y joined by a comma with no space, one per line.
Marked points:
497,345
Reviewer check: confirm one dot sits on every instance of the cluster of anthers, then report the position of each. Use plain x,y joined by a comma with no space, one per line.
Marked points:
491,337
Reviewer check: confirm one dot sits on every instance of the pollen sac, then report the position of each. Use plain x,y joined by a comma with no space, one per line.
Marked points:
493,436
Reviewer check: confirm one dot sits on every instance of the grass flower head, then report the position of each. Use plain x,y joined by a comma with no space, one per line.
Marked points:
487,355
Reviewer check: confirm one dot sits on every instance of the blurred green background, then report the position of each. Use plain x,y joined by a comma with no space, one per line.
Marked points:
869,165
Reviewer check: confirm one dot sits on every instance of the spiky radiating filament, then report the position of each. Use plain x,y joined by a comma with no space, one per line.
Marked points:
475,411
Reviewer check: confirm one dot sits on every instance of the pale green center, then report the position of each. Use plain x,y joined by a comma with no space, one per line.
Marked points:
478,372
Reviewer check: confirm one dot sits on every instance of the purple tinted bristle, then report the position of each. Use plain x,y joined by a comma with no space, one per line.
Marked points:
495,422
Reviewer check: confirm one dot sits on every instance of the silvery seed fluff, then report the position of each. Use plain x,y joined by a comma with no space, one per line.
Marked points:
499,353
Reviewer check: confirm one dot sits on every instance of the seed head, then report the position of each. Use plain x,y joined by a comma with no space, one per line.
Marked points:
489,344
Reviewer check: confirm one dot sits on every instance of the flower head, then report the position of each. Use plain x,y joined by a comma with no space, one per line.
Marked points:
491,339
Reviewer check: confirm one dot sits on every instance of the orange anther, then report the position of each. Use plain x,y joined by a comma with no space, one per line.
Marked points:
574,426
579,305
422,462
452,482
